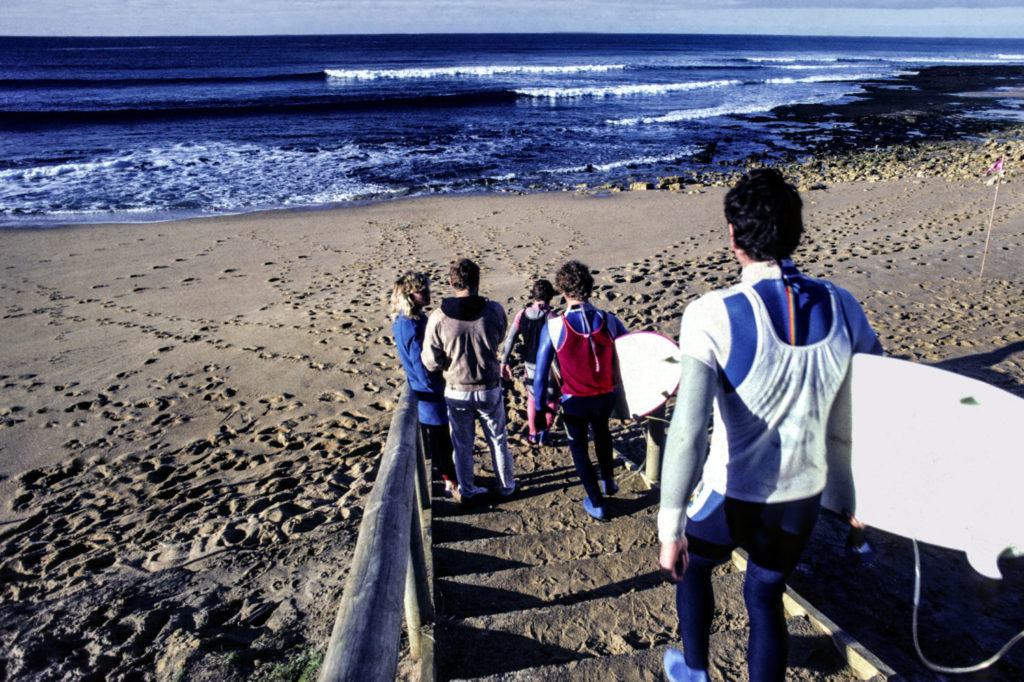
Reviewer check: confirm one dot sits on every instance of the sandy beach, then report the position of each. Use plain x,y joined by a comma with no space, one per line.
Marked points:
192,412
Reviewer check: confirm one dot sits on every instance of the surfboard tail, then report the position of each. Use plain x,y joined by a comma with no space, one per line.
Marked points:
985,558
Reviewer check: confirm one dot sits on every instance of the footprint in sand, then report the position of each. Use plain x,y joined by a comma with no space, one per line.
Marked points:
280,402
336,396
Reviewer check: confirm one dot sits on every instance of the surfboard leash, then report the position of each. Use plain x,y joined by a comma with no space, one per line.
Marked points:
917,645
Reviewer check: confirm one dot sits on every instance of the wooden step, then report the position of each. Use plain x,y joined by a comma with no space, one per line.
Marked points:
518,589
534,509
602,625
811,656
532,588
509,550
551,512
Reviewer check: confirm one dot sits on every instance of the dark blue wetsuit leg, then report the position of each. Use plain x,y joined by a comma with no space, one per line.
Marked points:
580,414
603,449
769,641
578,430
437,442
695,603
710,544
774,536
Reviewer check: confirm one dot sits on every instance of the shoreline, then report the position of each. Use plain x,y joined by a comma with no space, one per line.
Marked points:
947,159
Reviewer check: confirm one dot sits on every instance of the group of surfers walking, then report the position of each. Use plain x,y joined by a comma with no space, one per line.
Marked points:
764,359
456,359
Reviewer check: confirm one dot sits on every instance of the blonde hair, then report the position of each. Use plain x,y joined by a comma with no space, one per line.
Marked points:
406,285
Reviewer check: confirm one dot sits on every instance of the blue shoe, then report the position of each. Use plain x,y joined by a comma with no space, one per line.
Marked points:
608,487
596,512
676,669
864,554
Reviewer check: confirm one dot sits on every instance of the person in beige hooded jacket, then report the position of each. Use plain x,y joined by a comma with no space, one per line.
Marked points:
463,339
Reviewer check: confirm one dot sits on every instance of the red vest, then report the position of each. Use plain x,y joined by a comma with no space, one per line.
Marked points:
587,361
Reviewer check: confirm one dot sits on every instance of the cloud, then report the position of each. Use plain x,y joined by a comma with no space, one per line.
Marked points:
977,18
916,5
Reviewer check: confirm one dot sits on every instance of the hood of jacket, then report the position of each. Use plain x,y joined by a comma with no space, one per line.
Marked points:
464,308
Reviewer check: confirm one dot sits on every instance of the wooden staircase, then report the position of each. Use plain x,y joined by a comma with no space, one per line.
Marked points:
532,588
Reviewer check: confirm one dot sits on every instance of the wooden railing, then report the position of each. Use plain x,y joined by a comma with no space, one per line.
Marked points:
389,572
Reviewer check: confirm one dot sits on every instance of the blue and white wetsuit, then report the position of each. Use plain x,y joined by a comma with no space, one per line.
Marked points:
767,357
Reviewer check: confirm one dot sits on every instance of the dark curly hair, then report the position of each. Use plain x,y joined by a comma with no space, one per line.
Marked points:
574,280
765,212
542,291
464,274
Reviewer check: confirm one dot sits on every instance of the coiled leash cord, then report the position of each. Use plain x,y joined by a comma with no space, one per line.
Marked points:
940,668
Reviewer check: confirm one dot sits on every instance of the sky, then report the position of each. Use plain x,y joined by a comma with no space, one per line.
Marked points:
944,18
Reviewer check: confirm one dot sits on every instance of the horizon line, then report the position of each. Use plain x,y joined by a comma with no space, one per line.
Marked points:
505,33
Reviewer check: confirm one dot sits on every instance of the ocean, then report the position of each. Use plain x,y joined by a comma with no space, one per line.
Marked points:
146,129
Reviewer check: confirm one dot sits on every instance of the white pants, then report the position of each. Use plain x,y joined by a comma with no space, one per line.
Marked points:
464,408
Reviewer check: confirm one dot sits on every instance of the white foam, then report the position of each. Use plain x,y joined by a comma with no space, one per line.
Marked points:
811,61
622,90
819,67
191,176
825,78
625,163
771,60
814,67
756,107
474,71
694,114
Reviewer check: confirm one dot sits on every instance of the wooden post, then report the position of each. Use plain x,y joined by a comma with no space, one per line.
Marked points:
654,433
367,630
412,611
418,607
422,564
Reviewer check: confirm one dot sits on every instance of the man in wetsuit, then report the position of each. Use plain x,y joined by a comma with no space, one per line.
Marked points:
582,339
766,357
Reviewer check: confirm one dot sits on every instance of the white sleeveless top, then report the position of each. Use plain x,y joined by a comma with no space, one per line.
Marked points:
777,416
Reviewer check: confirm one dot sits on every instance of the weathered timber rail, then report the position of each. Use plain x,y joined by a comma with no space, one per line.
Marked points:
389,573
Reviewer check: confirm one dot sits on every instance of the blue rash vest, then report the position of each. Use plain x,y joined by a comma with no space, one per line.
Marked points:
582,319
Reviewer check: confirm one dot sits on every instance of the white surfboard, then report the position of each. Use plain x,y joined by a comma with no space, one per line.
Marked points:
929,454
647,373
